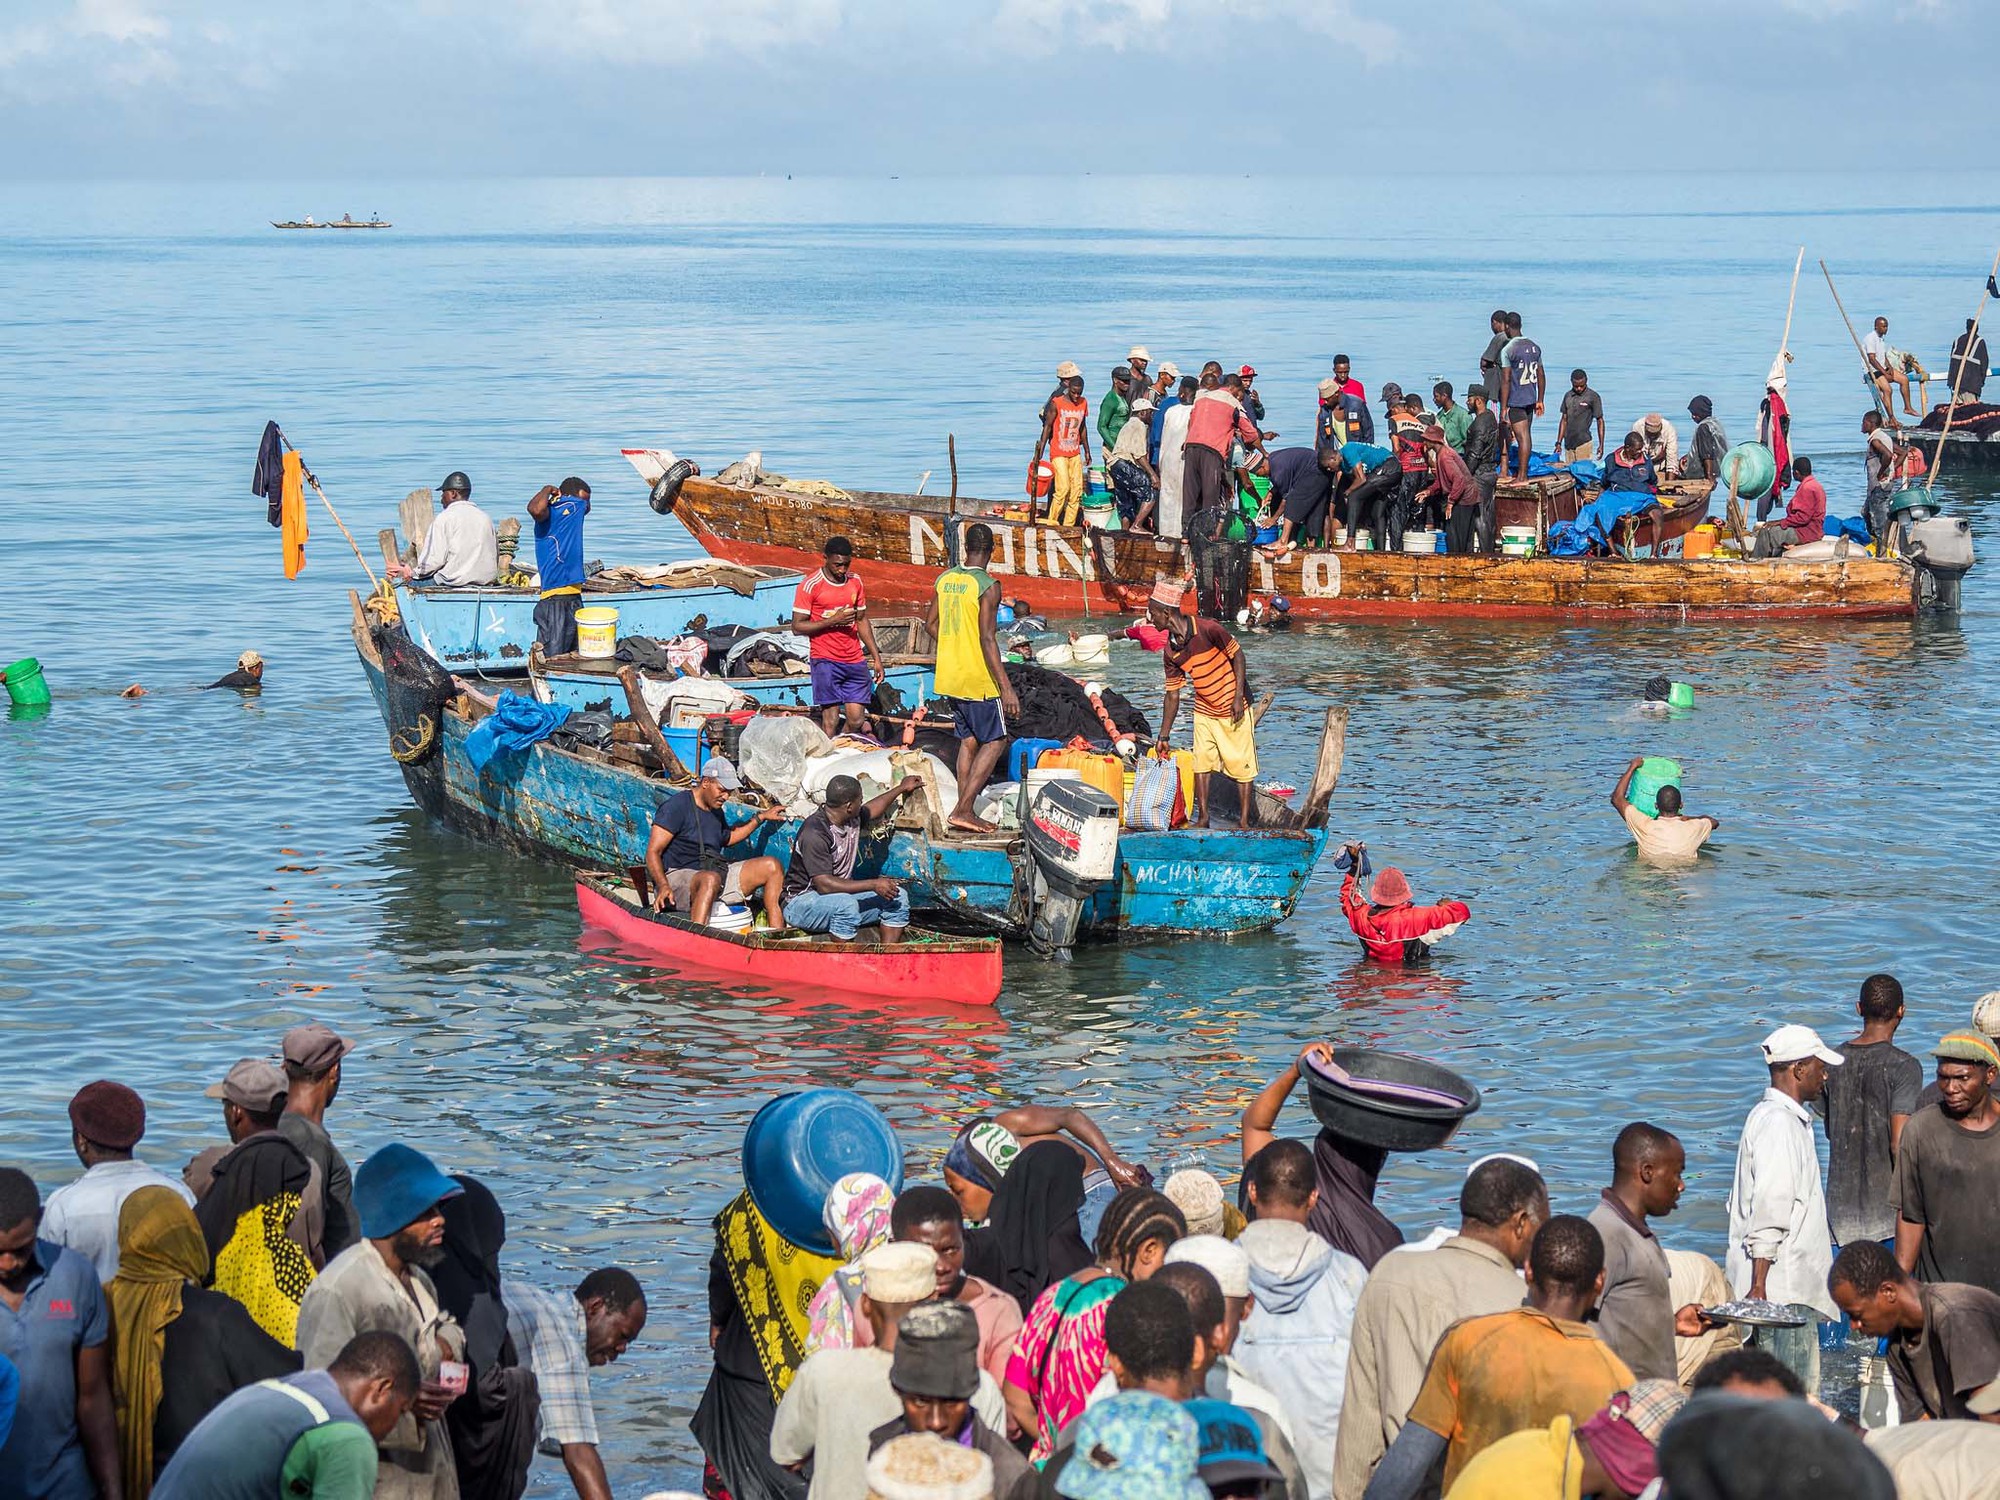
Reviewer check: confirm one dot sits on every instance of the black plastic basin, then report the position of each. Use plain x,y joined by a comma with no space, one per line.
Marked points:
1389,1123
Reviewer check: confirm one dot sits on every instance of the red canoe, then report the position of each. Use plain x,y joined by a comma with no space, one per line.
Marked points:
965,970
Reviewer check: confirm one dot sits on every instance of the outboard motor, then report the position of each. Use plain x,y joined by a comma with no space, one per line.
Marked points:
1939,547
1072,849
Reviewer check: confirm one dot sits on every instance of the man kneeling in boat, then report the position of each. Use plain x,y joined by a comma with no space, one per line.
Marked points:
1392,928
685,852
821,893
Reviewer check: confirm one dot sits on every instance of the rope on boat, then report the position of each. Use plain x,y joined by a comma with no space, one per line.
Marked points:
426,735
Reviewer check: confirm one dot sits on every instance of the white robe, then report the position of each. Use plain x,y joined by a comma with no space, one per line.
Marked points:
1173,439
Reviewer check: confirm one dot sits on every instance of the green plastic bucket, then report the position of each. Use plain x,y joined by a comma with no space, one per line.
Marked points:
1680,695
25,684
1654,772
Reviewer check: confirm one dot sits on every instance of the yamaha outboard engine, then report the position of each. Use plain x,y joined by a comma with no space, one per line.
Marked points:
1939,547
1072,849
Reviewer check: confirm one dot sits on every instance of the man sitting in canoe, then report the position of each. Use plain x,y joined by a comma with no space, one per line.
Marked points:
685,852
1392,928
821,893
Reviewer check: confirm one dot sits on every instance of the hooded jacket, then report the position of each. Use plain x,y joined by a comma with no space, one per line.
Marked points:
1294,1342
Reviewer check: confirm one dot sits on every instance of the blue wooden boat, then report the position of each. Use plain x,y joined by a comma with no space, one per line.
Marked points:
580,683
582,808
489,628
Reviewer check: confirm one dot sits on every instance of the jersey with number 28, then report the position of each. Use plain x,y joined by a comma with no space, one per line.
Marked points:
1524,359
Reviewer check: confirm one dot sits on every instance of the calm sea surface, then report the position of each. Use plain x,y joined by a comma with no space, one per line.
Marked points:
187,874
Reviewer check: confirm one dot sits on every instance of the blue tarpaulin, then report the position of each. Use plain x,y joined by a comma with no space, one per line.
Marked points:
514,725
1853,528
1594,523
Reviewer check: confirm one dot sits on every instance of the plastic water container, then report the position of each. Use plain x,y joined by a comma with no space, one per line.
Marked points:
1091,650
26,687
1654,772
1680,695
1364,540
1104,516
1423,541
597,631
799,1145
1105,772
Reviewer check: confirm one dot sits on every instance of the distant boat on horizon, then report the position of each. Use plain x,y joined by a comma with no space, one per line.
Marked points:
345,221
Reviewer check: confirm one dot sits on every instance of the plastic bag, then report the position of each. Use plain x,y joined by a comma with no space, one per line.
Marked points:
1155,804
774,750
874,770
686,701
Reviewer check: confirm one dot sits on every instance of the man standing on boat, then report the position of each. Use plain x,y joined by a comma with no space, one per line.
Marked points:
461,547
1482,457
1709,445
1116,405
558,512
1522,389
831,611
1066,439
1969,363
687,851
1215,419
1581,407
963,618
1224,731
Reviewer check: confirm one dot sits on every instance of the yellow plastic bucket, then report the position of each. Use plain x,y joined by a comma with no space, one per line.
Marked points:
597,631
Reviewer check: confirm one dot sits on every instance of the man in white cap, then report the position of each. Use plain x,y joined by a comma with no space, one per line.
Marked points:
1663,443
1780,1248
840,1396
1166,394
248,676
1224,1377
1066,439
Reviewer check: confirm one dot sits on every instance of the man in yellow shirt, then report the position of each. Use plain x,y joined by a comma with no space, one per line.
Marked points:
971,676
1492,1377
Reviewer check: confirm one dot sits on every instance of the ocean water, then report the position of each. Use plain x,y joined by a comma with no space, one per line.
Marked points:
186,874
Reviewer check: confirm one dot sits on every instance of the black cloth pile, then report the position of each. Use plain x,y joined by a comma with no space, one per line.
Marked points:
590,728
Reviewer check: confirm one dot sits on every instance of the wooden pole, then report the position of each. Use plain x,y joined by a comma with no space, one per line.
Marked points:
635,701
1863,353
1791,302
951,452
1326,775
1971,338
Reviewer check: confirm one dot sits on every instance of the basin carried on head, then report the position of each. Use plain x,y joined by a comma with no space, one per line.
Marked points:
1390,1100
799,1145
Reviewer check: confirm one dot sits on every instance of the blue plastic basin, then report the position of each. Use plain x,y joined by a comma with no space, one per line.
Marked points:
800,1144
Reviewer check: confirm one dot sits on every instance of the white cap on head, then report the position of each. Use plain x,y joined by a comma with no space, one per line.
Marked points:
1229,1264
899,1272
1795,1044
1526,1161
1171,370
1986,1014
923,1466
1139,352
1199,1198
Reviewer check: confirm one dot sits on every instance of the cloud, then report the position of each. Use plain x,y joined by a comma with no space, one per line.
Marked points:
1044,26
121,42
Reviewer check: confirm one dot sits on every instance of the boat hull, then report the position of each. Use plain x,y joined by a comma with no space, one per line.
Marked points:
902,543
965,971
580,811
490,629
1959,448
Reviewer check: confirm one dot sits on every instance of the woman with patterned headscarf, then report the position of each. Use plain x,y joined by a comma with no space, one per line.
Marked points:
246,1217
857,1217
176,1351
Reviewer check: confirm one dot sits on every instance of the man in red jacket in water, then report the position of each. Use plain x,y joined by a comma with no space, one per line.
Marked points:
1392,929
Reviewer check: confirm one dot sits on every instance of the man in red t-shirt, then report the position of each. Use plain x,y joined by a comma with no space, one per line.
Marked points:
831,611
1066,437
1805,516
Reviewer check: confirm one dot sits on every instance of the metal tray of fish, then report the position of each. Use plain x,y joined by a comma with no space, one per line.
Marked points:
1753,1312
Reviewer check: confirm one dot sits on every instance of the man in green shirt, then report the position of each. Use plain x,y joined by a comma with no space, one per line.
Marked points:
1453,418
309,1435
1116,406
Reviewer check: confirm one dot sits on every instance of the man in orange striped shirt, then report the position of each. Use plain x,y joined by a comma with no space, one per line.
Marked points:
1203,652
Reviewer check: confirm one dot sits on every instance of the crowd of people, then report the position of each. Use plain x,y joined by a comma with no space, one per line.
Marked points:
271,1323
1039,1319
1188,455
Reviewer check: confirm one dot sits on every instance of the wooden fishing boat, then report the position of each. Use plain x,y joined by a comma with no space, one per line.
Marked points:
489,627
902,542
348,221
924,964
308,222
582,683
596,808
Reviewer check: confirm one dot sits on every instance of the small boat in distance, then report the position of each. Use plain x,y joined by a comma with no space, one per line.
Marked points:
345,221
925,964
308,222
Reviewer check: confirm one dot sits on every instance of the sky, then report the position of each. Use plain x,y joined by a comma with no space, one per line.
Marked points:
383,88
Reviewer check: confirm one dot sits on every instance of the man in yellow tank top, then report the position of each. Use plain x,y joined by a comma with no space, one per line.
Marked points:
971,677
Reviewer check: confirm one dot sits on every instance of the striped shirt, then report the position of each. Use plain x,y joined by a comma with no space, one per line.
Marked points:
1209,657
549,1332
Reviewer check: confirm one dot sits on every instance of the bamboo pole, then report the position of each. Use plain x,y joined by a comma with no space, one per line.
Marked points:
1785,343
1971,338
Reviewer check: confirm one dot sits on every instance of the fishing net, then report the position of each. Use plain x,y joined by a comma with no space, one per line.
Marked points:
1221,574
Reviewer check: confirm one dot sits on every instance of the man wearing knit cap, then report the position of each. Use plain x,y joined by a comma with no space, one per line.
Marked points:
935,1374
313,1055
379,1284
1199,1198
840,1396
106,1121
1225,733
1947,1191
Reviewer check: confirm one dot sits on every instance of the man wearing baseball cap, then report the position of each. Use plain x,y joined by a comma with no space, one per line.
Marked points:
840,1396
106,1121
1947,1193
461,548
1780,1248
687,851
313,1055
379,1284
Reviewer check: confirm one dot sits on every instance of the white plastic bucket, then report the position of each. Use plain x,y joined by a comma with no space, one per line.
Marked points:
1517,533
1364,540
1091,650
1517,549
1420,541
729,918
597,631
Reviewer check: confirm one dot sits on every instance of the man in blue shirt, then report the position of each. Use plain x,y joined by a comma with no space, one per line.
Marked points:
1523,385
1372,482
1163,403
686,850
55,1329
558,512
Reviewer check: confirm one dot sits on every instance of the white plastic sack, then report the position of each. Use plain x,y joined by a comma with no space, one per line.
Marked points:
873,770
775,750
686,701
999,804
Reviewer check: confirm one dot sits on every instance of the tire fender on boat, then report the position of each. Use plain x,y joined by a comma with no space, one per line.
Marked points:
667,488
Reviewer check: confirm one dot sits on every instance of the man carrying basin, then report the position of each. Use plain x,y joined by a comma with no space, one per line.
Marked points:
821,893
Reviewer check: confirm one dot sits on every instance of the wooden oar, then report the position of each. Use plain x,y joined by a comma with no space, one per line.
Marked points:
1886,402
649,726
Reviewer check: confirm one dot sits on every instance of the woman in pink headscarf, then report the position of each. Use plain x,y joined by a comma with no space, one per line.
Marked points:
857,1217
